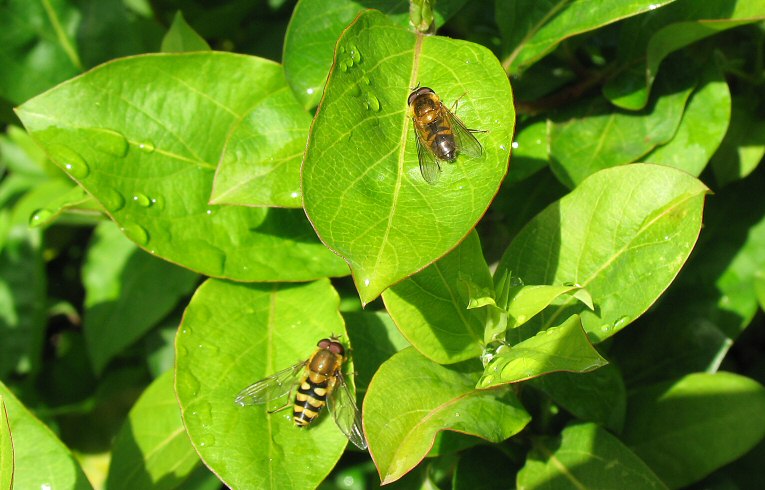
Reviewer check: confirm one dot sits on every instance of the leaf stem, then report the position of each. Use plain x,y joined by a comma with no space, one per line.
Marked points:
61,35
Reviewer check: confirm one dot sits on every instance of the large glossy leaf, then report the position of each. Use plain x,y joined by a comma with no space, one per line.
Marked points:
33,443
123,298
623,234
362,187
148,157
702,128
532,28
38,46
687,428
646,42
561,348
593,135
232,335
586,456
6,449
152,449
422,398
315,27
713,299
431,307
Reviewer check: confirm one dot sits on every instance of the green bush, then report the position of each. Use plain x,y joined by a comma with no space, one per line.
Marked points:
183,216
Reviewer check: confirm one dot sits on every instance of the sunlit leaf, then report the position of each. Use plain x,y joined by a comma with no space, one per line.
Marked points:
561,348
425,398
233,335
431,307
362,186
33,443
315,27
586,456
532,28
152,449
687,428
743,147
623,234
149,157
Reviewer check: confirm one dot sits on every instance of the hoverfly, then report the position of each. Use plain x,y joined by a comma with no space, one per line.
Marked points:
440,135
322,382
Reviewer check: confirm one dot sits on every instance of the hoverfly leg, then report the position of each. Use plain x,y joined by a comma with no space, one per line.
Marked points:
289,403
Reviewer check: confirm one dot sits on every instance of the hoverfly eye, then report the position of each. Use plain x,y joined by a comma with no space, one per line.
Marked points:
336,348
324,343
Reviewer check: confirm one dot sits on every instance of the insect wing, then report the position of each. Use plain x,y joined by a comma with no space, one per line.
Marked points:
270,389
466,143
347,416
429,167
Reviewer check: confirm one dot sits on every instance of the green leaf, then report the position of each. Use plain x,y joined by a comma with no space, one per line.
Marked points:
527,301
361,161
23,281
6,449
743,147
182,37
689,427
38,47
702,128
375,338
152,449
713,299
33,443
123,298
623,234
592,135
315,27
149,159
70,199
474,466
261,161
430,307
651,40
233,335
759,287
532,28
427,398
586,456
598,396
561,348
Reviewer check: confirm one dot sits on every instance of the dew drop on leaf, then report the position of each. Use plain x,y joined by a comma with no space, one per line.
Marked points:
372,103
146,146
40,217
206,440
112,200
72,162
355,54
136,232
621,322
142,200
112,142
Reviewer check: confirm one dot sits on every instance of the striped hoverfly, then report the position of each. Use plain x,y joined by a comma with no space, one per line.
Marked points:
319,381
439,134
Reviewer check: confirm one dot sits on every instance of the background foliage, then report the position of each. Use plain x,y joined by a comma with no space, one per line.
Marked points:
195,192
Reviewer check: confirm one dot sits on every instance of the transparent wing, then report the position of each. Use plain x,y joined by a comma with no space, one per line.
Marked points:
347,416
429,167
467,144
272,388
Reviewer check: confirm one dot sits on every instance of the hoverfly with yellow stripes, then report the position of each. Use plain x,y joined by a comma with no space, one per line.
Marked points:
319,381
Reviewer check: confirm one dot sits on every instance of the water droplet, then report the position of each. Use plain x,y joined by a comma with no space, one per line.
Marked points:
46,486
206,440
343,66
372,102
72,162
309,91
204,413
516,281
112,199
209,350
111,142
515,144
158,203
40,217
355,54
520,319
355,90
146,146
365,80
142,200
342,49
191,382
209,212
136,232
366,282
213,256
502,147
457,414
621,322
605,328
295,195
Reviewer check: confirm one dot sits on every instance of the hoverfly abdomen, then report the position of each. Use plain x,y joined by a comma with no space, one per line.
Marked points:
445,148
310,399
